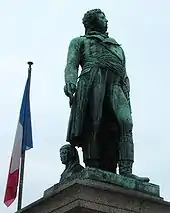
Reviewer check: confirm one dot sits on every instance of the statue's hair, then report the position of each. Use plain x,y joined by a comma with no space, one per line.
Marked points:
73,151
89,19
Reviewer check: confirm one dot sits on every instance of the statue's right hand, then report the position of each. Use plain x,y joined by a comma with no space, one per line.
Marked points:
69,89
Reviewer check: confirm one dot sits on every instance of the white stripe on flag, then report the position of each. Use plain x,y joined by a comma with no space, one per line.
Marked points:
16,153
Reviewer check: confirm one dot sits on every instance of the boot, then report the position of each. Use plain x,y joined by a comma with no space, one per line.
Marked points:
125,169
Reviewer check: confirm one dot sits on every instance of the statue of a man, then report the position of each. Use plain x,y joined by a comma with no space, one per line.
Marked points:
69,157
100,120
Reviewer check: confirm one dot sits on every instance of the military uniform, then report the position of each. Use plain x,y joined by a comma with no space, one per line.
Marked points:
102,79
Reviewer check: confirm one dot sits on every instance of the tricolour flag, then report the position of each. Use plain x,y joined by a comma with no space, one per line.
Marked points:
22,142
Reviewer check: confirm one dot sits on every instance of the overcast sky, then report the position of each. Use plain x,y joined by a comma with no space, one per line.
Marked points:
41,31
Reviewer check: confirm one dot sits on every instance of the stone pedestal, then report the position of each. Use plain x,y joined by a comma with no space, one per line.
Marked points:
88,195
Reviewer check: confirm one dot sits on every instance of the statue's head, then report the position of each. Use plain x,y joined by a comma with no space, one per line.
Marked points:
95,20
69,154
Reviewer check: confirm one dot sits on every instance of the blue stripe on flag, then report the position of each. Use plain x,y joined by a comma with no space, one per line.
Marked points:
25,118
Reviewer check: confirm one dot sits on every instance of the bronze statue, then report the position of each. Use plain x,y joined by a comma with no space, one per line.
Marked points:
100,120
69,157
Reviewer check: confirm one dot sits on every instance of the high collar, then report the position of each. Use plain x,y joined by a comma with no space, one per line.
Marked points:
102,37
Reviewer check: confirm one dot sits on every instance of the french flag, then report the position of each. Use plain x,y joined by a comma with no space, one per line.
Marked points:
22,142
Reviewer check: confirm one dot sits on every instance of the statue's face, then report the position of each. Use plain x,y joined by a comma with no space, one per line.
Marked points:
102,22
64,155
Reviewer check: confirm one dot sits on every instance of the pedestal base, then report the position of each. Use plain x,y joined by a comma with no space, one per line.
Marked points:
87,195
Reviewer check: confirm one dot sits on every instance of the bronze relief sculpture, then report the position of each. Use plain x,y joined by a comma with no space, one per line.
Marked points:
100,120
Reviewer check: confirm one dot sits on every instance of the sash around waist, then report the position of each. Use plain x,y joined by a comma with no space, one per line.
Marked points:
116,68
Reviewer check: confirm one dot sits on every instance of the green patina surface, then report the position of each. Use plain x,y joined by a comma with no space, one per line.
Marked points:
88,175
100,119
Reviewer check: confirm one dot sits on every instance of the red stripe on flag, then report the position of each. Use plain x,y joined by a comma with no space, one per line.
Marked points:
11,188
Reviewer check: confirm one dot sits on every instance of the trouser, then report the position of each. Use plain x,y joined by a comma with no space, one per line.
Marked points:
107,89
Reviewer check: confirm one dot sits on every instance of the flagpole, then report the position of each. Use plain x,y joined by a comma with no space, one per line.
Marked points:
21,181
22,160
